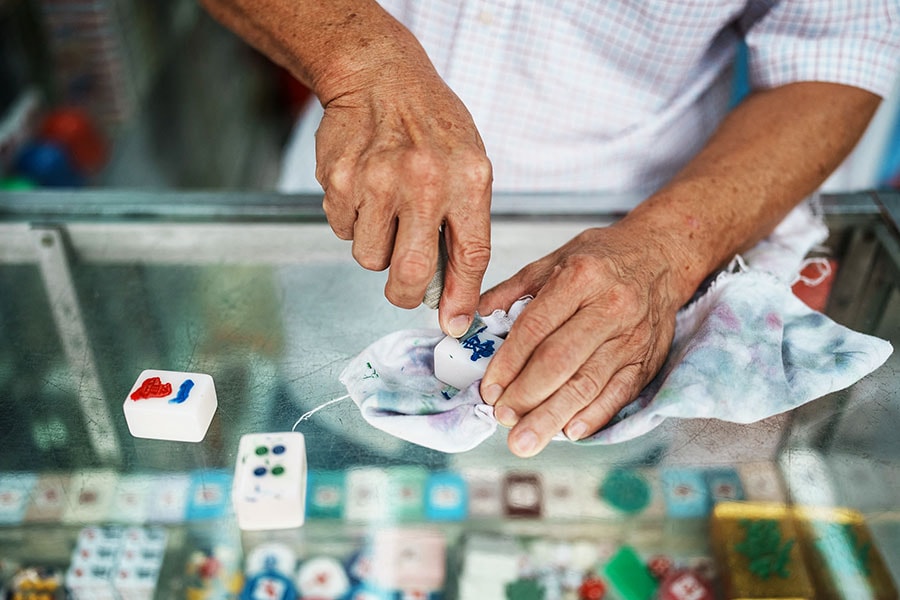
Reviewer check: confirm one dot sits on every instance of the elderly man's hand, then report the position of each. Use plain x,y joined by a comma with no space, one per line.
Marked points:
597,331
398,157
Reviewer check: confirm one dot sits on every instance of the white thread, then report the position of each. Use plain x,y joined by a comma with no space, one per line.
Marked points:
305,416
737,265
824,271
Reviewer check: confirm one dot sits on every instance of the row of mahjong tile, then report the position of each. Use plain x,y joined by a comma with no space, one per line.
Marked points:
761,550
404,493
116,562
392,564
413,493
493,566
101,496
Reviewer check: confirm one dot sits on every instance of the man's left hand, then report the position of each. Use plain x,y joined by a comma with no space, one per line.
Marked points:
598,330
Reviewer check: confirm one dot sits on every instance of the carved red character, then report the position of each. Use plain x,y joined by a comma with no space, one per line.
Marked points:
685,585
152,387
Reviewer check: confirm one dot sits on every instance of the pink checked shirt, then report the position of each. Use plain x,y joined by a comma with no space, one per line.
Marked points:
617,95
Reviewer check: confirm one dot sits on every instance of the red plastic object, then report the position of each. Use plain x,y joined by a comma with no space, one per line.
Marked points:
592,588
685,585
660,566
74,130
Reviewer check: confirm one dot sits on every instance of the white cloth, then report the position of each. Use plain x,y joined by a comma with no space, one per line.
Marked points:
745,350
616,96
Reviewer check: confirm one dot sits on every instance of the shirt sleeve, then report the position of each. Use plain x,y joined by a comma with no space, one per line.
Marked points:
852,42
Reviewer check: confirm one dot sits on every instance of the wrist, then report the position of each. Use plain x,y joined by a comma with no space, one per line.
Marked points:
679,254
352,63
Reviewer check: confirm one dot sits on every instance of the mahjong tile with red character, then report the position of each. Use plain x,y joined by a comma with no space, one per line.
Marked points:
322,577
15,492
685,585
170,405
48,499
91,494
408,559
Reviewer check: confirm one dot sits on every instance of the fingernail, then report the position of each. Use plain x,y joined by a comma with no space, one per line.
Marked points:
505,416
525,442
576,430
491,393
458,325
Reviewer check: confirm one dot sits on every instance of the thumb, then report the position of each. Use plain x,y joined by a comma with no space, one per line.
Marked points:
526,282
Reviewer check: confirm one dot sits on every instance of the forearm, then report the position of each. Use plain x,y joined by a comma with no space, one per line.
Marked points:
772,151
332,47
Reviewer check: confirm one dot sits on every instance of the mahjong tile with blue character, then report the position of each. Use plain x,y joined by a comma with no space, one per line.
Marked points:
462,362
170,405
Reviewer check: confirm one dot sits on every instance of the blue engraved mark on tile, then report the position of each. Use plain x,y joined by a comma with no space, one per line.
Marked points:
279,449
479,349
183,392
259,471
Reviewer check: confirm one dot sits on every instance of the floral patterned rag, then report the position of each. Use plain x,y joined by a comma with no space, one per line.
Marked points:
743,351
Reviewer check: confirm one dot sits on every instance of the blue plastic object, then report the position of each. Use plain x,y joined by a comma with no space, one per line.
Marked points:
47,164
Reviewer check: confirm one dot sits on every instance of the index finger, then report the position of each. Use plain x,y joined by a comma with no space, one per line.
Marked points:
550,309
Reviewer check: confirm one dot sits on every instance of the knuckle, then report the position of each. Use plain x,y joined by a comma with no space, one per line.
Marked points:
557,414
479,171
531,327
369,258
621,299
424,166
379,173
557,354
474,255
338,177
412,267
584,386
581,269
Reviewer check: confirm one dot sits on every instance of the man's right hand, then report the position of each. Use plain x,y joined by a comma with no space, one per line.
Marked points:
397,153
398,157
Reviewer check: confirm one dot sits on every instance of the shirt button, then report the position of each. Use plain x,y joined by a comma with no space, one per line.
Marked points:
486,18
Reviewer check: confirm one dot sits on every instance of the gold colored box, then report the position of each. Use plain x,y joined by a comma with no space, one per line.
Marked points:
757,546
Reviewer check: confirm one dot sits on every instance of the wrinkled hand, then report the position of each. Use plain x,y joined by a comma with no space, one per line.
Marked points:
598,330
398,158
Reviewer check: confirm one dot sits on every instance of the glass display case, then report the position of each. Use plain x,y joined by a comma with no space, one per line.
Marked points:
257,292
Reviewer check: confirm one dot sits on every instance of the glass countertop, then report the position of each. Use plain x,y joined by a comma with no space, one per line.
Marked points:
256,291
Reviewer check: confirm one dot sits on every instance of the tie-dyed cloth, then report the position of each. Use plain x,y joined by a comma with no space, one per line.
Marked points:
745,350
